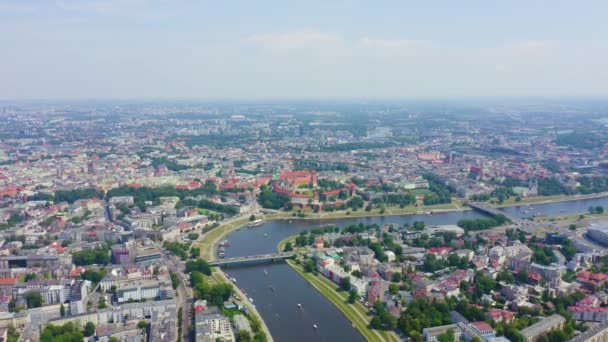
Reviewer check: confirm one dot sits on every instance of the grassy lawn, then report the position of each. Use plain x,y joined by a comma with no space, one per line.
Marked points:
356,313
569,218
545,199
389,210
283,242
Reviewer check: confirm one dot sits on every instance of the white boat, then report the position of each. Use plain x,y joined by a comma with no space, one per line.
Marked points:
265,272
233,280
255,223
265,234
251,299
314,326
299,305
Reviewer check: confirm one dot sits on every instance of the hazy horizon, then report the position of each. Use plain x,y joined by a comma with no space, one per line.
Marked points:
270,50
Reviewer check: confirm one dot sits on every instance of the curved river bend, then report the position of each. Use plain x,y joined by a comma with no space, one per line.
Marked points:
277,291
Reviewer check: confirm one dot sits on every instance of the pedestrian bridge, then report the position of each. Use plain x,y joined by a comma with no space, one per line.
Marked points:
491,211
252,259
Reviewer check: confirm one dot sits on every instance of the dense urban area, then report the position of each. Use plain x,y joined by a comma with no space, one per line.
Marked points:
115,218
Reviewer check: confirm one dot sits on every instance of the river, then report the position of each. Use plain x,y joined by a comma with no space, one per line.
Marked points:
277,291
556,208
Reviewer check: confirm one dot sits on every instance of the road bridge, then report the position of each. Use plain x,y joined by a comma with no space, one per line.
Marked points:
252,259
491,211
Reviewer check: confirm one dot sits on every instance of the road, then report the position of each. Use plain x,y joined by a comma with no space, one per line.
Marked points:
184,294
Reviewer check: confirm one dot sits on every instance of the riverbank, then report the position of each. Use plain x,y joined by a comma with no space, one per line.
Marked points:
547,199
251,309
210,239
207,246
356,312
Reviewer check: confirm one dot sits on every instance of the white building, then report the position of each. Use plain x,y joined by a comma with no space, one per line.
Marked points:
135,291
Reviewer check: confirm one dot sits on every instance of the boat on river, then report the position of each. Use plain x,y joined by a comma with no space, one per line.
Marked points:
255,223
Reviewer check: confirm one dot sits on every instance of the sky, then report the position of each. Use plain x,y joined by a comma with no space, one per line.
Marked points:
257,49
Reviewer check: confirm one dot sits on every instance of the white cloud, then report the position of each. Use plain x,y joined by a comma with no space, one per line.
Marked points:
293,39
101,6
368,42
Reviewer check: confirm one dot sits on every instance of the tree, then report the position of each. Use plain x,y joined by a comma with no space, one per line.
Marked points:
195,252
12,305
62,310
93,275
447,336
345,285
415,336
309,266
142,324
12,334
418,225
174,280
505,276
522,276
383,319
352,296
96,256
102,303
33,300
288,247
199,265
243,336
89,329
252,217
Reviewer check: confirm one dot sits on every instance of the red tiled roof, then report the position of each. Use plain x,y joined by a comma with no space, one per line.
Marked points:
440,250
8,281
482,326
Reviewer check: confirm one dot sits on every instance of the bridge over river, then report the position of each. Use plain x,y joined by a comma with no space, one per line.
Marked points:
251,259
491,211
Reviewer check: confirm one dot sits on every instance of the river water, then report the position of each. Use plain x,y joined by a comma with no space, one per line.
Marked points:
277,291
556,208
